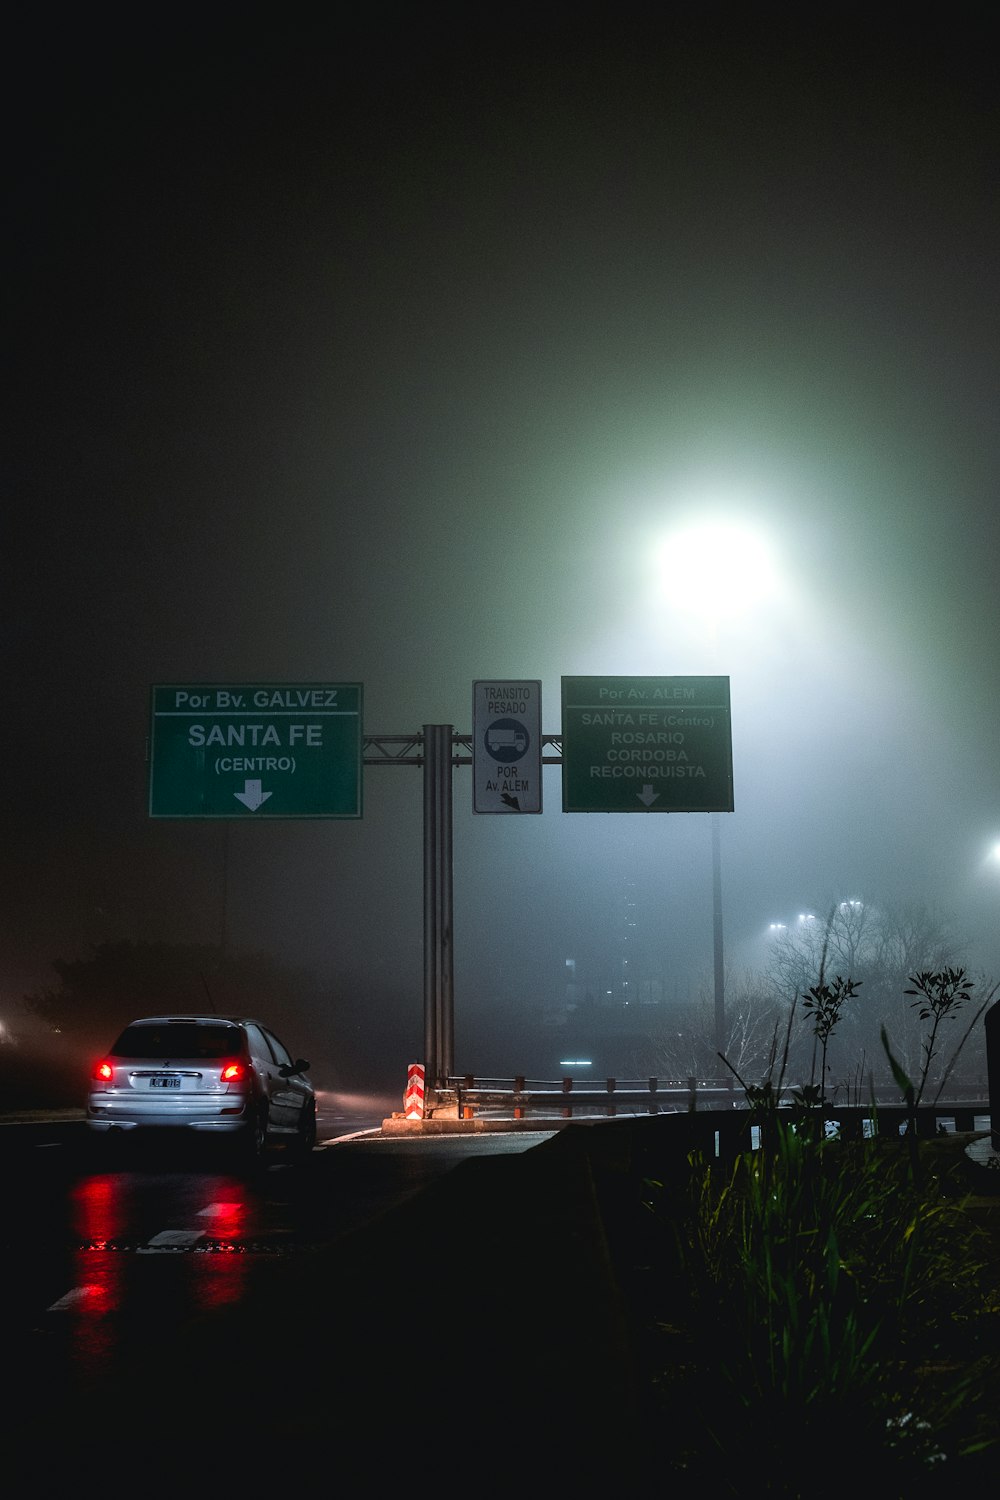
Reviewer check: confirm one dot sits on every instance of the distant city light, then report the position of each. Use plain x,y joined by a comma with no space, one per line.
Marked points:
575,1062
778,927
806,916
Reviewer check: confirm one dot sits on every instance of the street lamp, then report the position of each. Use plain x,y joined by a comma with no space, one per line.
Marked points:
715,571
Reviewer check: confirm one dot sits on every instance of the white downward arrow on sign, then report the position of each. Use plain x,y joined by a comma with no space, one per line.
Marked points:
647,795
251,795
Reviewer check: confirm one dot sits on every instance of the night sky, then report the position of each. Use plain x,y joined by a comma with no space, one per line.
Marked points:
389,348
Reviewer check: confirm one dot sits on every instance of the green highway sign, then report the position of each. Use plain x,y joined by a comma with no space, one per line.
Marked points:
259,750
646,744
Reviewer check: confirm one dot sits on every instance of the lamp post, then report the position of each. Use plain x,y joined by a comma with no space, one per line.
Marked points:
717,945
711,571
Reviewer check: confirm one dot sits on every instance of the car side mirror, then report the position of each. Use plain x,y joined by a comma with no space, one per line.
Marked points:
298,1066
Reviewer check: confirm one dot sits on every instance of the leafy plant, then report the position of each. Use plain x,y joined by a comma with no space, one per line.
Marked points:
908,1091
825,1003
939,996
901,1078
806,1112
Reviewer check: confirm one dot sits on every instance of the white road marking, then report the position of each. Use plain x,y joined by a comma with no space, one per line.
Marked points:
78,1294
171,1239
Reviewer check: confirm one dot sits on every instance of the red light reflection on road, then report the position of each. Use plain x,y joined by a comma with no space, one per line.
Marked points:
222,1265
100,1211
114,1276
100,1268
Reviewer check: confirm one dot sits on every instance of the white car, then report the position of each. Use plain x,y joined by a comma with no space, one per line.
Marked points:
207,1075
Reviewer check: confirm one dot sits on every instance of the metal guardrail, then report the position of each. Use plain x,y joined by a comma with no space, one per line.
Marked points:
520,1098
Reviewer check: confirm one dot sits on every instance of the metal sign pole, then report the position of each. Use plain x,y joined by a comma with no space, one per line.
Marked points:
430,914
439,973
446,1056
720,970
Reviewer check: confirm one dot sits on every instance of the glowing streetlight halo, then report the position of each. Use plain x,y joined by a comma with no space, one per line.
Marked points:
715,570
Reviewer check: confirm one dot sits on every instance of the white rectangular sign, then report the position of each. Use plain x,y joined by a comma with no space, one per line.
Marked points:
507,747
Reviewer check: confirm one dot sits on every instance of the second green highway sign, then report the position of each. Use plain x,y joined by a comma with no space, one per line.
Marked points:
646,744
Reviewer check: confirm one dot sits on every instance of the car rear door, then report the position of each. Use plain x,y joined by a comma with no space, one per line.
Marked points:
285,1096
297,1090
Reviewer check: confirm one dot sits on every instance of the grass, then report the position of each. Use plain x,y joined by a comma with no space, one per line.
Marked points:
820,1314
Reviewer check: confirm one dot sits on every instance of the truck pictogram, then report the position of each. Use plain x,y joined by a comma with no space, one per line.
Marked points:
500,740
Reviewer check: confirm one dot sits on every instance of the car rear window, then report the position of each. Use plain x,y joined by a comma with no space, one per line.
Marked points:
179,1039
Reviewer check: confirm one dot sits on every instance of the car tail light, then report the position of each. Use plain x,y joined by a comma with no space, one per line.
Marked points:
103,1071
234,1072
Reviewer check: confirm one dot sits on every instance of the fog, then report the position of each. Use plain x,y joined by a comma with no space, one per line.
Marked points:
389,352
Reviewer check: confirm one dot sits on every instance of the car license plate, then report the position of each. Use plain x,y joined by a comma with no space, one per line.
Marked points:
165,1081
